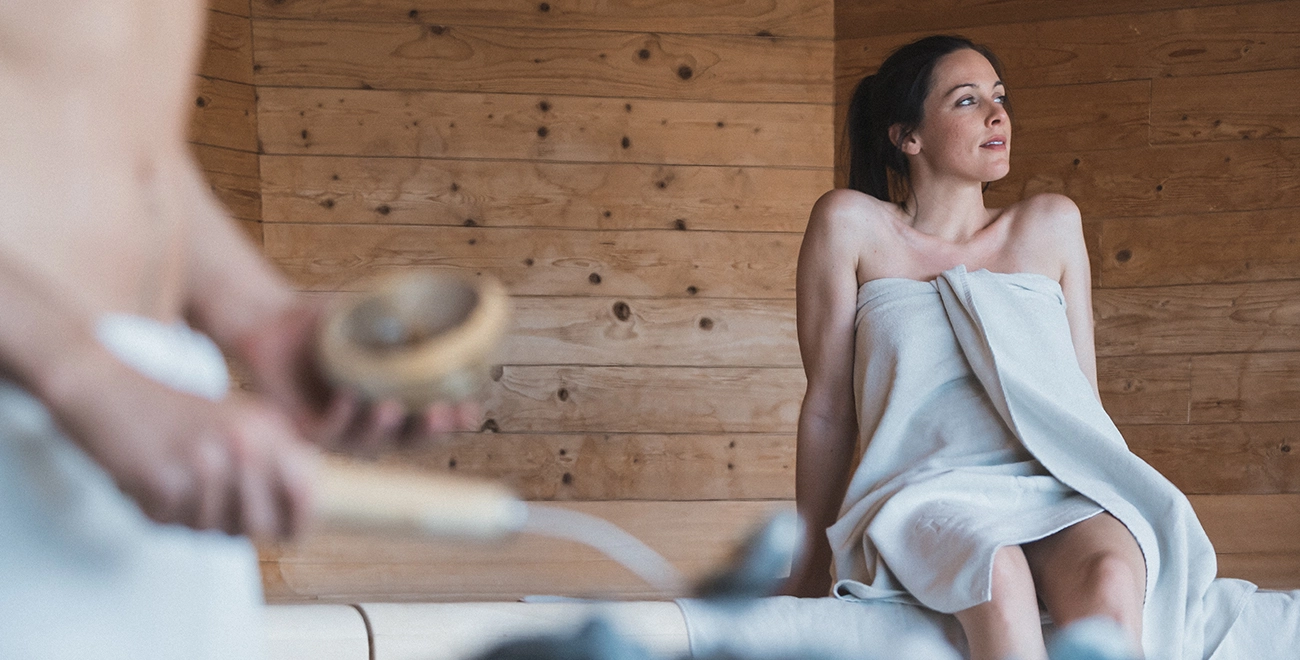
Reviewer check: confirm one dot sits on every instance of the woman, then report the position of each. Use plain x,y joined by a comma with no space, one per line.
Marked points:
932,326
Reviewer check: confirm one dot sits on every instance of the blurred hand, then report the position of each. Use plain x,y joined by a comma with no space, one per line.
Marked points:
282,358
236,465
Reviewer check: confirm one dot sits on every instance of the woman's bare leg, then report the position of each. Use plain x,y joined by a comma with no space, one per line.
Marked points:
1008,626
1094,568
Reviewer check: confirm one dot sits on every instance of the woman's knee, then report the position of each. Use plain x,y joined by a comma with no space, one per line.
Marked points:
1114,584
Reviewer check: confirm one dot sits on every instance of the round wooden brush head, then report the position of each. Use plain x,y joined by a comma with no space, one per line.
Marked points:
418,337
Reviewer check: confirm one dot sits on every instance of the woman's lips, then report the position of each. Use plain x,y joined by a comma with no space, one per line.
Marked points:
995,143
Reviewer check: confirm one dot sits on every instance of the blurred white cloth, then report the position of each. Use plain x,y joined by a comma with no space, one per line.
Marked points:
83,573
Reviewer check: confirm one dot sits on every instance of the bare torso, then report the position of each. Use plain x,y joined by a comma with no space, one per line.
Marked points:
92,166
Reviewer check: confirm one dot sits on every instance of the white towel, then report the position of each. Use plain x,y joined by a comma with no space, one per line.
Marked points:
985,360
83,574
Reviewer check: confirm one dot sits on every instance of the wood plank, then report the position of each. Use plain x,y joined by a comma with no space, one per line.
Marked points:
803,18
1145,389
1194,41
531,194
228,51
696,537
1212,318
234,7
224,115
636,466
1275,570
1237,106
545,262
652,332
866,19
1163,180
577,399
434,124
530,61
233,177
1087,117
1250,523
1224,459
1200,248
1245,387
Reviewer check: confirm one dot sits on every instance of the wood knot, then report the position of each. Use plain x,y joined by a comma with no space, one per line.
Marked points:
1160,187
529,261
470,222
567,479
607,214
1286,449
626,142
1077,162
661,184
497,372
437,30
472,241
706,323
621,311
731,466
451,464
201,102
684,72
414,13
383,209
721,123
544,7
680,223
627,107
490,426
594,278
764,33
643,54
327,203
542,132
692,290
563,394
304,134
564,452
455,187
544,106
1123,256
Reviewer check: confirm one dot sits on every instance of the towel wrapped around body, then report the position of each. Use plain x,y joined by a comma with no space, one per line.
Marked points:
979,430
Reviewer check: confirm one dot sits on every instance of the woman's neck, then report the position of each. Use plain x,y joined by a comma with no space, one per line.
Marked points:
949,209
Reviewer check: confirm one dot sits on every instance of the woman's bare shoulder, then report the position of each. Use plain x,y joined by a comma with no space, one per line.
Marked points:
1050,212
848,212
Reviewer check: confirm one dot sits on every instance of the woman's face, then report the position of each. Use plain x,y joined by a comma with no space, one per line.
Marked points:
965,130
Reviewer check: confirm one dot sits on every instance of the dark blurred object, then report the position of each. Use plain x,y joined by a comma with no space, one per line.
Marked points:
759,565
595,641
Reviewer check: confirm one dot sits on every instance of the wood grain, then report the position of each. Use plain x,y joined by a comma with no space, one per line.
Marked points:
1277,570
531,61
698,400
803,18
233,177
234,7
651,332
1145,389
1236,106
1246,387
866,19
1200,248
1259,458
224,115
546,262
522,126
228,51
1162,180
693,536
1210,318
634,466
1250,523
1130,46
533,194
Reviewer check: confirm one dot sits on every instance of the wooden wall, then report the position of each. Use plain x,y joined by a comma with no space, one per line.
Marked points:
638,174
1171,127
223,130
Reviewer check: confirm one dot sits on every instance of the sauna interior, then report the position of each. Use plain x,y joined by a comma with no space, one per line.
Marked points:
639,173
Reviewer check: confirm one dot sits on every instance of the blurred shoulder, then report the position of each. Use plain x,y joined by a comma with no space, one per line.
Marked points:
849,213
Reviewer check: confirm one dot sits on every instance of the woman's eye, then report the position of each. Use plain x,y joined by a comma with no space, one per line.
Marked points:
966,101
1001,99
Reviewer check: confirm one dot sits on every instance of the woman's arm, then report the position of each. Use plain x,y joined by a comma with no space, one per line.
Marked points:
1076,281
826,294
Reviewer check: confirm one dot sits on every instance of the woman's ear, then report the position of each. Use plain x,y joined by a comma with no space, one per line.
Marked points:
906,142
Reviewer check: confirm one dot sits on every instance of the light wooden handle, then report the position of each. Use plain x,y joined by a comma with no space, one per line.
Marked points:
390,500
